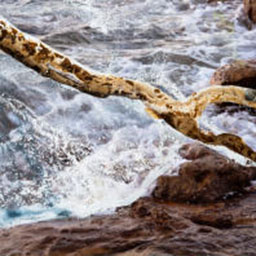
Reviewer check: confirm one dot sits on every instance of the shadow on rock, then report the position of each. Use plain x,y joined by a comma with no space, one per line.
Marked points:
250,9
239,72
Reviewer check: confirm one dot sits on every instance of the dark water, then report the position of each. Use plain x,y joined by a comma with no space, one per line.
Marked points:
66,153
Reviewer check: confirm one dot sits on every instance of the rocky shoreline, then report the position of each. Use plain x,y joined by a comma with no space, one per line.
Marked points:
222,221
207,209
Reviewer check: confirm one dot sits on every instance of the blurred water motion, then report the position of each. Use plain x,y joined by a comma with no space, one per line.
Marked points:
65,153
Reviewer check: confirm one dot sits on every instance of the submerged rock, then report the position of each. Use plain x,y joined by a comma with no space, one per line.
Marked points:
151,227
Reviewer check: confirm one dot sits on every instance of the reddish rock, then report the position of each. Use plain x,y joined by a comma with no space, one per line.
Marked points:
207,178
145,228
240,72
250,9
150,226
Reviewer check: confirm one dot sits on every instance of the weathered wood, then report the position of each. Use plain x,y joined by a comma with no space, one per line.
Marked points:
180,115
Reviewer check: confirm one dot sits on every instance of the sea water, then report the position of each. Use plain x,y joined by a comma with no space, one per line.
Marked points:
64,153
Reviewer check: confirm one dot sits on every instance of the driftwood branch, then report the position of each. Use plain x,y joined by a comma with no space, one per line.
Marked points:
180,115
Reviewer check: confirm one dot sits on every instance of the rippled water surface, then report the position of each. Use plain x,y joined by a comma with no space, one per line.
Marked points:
64,153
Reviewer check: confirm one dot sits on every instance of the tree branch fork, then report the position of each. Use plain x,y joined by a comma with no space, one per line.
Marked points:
181,115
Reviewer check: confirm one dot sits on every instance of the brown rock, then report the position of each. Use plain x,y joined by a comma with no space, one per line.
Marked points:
145,228
240,72
150,227
207,178
250,9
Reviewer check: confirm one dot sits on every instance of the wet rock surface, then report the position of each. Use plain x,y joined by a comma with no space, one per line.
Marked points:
161,42
153,227
54,140
239,72
207,178
250,9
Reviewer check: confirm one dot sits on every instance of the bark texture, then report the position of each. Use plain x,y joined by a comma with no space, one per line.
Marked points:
180,115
